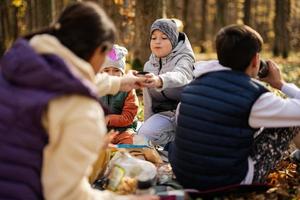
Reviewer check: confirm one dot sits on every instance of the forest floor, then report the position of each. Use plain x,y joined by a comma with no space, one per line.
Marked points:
284,181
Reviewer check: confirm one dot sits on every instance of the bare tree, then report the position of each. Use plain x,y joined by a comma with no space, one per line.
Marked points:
174,9
44,12
113,11
57,7
9,25
281,28
146,13
3,26
203,25
186,15
247,12
220,19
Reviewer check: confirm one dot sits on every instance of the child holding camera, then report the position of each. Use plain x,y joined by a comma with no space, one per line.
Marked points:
230,128
123,105
170,68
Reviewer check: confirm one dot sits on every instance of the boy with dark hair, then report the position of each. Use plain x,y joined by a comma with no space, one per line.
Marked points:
236,46
220,139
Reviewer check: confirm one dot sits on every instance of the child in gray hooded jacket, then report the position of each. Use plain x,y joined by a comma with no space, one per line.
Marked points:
171,67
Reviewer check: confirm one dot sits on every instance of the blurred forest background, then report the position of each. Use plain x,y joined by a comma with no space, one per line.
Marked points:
278,21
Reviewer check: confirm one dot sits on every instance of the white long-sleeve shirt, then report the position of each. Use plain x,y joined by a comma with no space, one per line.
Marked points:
270,110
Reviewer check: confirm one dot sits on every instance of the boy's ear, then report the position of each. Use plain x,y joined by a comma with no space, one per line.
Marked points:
253,67
255,61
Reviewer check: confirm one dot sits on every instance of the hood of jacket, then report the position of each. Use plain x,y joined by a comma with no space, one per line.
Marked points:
204,67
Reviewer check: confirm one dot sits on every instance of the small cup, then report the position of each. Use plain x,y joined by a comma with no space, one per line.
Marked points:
141,73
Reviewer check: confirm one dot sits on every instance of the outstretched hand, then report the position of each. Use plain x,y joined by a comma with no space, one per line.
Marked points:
130,81
153,81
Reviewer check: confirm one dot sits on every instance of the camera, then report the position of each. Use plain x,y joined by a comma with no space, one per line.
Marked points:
141,73
263,69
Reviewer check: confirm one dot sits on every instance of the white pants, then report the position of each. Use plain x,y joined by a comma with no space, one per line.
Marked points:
158,128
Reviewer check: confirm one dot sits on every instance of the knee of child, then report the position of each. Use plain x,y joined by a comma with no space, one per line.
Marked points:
148,132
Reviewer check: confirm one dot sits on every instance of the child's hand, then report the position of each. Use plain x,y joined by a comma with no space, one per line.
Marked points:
274,77
153,81
108,138
130,81
106,120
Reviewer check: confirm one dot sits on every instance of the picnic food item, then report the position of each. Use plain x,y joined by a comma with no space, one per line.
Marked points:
143,152
124,171
147,153
127,186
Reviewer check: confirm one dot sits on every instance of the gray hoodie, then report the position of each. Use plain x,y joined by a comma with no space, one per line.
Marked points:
176,72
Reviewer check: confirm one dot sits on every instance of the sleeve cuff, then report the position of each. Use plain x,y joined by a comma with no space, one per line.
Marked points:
291,90
115,84
107,84
163,84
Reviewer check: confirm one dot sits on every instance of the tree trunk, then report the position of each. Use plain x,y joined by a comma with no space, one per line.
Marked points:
286,29
221,14
247,12
9,25
3,17
146,13
172,8
29,16
113,11
281,28
14,21
186,15
44,13
57,7
175,9
192,22
203,26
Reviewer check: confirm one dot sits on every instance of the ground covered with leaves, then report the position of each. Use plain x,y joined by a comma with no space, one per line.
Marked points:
284,181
